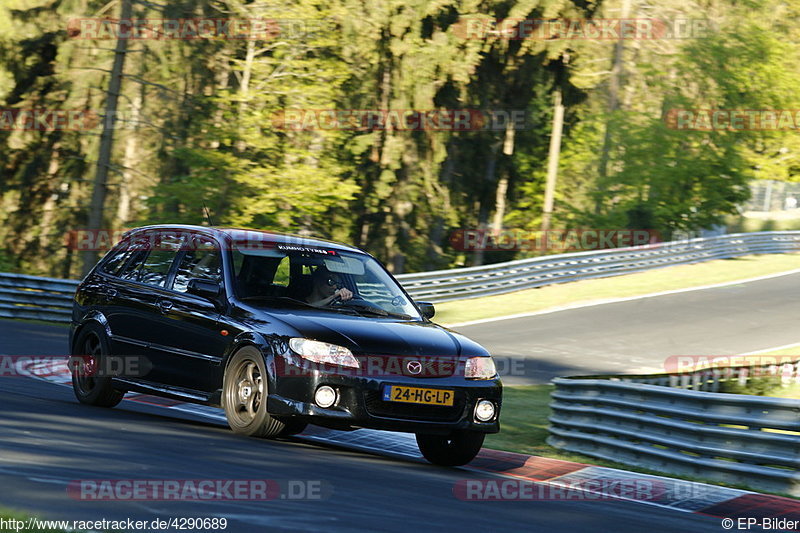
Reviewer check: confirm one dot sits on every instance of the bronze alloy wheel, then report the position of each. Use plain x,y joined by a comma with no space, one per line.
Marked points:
245,393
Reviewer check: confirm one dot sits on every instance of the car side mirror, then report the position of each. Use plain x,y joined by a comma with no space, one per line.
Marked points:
427,309
204,288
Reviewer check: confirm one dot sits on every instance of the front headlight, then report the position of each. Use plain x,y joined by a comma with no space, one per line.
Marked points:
480,368
322,352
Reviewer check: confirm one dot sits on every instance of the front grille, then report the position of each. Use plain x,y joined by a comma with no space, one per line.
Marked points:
412,411
398,365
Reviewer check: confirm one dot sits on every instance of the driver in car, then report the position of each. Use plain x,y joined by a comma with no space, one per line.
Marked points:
327,288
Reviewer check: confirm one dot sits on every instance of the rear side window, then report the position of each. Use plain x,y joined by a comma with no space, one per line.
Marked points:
150,261
202,260
116,258
133,266
155,268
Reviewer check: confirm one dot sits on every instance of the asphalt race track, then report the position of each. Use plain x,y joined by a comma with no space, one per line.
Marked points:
49,440
639,334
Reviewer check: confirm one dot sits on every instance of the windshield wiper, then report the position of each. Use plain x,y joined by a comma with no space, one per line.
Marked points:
402,316
312,306
378,311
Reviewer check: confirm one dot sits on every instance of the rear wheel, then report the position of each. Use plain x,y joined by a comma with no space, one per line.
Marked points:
456,449
90,348
244,393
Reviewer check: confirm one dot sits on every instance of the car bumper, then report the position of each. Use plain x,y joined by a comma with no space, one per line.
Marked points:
360,403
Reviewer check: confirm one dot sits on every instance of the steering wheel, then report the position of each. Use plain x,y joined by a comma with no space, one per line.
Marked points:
339,302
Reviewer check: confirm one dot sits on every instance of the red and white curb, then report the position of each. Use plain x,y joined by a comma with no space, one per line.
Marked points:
676,494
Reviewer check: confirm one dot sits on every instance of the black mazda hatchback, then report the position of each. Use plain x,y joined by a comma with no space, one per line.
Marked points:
280,331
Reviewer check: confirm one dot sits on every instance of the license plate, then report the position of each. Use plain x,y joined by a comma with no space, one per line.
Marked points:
398,393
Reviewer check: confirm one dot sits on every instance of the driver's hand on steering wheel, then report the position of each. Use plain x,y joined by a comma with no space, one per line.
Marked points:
342,294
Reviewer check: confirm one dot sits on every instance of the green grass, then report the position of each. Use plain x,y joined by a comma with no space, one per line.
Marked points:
524,421
662,279
523,429
772,386
791,392
763,386
791,350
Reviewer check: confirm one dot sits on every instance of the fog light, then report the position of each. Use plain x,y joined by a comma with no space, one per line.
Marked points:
326,396
484,411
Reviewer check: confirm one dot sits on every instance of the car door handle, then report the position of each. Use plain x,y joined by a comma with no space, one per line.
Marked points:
164,305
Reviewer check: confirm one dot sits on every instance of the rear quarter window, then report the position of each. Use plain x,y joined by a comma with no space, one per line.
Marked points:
156,267
116,258
151,259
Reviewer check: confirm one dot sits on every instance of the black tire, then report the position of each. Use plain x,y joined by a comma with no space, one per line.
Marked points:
244,396
89,348
292,426
456,449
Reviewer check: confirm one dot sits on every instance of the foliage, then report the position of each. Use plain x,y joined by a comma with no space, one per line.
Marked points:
201,122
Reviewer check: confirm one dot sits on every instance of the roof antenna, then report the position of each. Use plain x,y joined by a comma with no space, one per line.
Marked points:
208,215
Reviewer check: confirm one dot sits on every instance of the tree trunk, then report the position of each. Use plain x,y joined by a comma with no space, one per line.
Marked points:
552,160
244,88
129,160
483,214
437,232
100,187
502,185
615,82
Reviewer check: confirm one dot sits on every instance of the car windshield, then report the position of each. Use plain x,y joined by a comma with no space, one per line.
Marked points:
291,275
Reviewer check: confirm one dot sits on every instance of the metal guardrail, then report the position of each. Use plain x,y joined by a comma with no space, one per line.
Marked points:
501,278
733,438
36,298
49,299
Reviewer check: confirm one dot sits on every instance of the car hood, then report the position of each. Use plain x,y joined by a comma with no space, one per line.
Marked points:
378,336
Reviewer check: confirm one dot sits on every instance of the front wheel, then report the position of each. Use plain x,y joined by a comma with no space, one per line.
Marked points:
244,393
456,449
